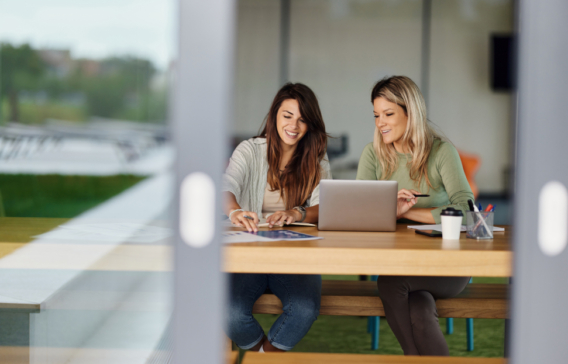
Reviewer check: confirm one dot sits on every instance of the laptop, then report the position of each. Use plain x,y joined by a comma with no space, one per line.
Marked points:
357,205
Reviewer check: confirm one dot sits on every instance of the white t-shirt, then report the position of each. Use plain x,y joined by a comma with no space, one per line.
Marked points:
271,202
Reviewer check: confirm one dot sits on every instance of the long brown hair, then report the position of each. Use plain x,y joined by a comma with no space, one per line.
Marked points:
303,172
419,135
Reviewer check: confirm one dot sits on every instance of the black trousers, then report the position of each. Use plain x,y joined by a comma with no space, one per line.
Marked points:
410,309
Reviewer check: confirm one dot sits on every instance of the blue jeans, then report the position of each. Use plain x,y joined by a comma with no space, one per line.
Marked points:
300,295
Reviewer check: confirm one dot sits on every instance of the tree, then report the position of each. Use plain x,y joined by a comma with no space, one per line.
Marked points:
21,69
114,85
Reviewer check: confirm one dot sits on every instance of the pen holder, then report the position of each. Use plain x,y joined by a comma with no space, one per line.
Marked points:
479,225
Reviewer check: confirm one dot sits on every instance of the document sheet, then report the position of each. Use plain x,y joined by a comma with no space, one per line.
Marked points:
109,232
263,223
230,237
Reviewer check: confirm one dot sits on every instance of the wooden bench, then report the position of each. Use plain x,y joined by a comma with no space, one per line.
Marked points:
361,298
314,358
232,357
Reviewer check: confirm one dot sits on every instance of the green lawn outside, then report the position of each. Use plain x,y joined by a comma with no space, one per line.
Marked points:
26,195
338,334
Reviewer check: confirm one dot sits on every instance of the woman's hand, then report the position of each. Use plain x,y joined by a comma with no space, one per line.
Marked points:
239,219
283,217
405,201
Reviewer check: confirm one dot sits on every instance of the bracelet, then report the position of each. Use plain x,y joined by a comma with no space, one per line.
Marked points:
302,211
232,212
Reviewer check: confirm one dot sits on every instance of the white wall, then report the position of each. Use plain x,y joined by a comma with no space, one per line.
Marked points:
257,63
475,118
340,48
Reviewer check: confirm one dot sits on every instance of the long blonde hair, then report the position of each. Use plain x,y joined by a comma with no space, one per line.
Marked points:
419,135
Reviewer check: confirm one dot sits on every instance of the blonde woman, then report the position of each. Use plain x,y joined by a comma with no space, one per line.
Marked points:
406,149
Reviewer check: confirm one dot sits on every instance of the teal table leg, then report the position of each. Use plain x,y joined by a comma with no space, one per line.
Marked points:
373,325
375,333
449,325
469,329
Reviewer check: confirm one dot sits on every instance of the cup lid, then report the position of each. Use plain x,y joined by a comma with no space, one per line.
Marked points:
450,211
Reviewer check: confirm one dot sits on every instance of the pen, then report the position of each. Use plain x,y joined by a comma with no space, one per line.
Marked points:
489,208
482,220
248,217
421,195
470,204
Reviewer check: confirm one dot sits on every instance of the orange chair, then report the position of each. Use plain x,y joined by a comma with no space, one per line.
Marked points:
471,164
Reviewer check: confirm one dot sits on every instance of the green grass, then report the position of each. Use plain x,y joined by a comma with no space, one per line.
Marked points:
36,113
26,195
340,334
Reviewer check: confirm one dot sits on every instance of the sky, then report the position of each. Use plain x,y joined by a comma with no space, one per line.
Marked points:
94,28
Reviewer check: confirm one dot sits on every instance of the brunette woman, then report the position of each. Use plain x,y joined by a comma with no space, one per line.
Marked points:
276,176
407,149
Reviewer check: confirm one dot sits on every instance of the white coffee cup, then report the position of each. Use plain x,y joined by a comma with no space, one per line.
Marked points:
451,223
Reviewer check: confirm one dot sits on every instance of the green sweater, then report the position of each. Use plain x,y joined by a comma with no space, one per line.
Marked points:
444,170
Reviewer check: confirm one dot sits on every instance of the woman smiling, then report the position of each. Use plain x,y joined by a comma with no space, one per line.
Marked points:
406,149
276,176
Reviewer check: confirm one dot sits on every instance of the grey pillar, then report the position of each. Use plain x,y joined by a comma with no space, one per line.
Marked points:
201,112
540,289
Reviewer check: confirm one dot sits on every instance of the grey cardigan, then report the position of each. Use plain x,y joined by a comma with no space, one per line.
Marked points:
247,174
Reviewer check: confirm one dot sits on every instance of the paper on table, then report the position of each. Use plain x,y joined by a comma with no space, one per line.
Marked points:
230,237
263,223
109,232
279,235
439,227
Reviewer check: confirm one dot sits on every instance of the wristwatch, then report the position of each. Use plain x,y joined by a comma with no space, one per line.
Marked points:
302,210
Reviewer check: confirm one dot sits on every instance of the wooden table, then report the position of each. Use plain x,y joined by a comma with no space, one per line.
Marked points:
325,358
389,253
402,252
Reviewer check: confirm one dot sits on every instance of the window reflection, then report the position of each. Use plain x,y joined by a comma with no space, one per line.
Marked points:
85,159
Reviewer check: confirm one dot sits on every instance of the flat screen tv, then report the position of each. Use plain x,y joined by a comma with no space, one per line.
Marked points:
503,62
